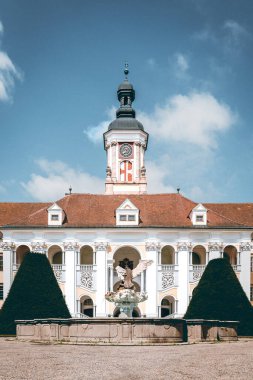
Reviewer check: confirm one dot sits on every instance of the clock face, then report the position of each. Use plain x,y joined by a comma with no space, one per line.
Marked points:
125,150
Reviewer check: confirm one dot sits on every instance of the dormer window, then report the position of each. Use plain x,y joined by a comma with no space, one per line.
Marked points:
127,214
199,218
55,215
198,215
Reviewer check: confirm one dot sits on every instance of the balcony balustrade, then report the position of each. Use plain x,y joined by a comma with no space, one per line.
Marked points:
59,272
167,277
86,276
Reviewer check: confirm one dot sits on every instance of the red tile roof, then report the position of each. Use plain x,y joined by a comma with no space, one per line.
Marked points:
156,210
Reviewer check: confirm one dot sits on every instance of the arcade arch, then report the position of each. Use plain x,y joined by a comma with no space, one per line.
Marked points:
21,251
167,306
199,255
55,255
230,253
86,255
168,255
87,306
123,256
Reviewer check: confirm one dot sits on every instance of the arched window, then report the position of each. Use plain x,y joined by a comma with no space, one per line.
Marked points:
87,306
167,306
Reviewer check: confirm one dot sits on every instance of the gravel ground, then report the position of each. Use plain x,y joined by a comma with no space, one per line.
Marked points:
21,360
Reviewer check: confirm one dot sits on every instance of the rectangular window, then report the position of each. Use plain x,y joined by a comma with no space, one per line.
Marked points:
251,263
1,291
199,218
251,293
1,261
123,218
54,217
131,218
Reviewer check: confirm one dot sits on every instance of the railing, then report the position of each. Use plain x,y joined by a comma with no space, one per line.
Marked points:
86,267
237,268
86,276
167,276
196,272
15,267
59,272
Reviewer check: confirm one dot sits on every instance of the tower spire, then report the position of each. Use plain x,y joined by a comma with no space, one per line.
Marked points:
126,71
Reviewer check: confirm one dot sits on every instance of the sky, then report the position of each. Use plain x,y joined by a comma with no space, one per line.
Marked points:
190,62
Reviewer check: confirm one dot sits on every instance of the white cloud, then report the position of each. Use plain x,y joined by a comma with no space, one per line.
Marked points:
8,74
157,174
196,118
56,179
95,133
235,30
182,63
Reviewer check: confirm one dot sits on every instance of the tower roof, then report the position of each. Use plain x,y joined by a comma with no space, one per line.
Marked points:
125,114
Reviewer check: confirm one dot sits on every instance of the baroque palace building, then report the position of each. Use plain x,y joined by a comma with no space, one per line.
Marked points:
85,236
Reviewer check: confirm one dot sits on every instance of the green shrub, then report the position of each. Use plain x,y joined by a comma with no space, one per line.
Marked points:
219,295
34,293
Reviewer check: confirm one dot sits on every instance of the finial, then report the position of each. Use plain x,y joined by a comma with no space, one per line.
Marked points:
178,190
126,71
70,189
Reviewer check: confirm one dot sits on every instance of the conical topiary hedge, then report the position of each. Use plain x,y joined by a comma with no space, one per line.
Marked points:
219,295
34,293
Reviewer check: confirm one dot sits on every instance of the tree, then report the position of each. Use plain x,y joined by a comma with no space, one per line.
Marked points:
219,295
34,293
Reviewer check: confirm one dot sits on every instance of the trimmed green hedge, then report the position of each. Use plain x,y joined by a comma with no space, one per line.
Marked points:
34,293
219,295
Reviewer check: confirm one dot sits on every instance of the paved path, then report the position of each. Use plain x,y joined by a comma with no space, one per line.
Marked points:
60,362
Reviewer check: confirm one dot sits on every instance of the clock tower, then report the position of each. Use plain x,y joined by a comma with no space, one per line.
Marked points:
125,143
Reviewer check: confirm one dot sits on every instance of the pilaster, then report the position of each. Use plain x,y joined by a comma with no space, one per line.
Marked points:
245,253
183,250
71,251
101,252
8,248
152,249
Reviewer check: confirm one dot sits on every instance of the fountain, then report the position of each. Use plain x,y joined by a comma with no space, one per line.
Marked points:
126,298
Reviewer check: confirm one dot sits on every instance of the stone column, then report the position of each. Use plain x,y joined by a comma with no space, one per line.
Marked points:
183,276
101,251
215,250
8,248
110,276
245,249
152,248
70,249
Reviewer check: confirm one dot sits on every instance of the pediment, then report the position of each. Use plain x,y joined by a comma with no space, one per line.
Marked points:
127,205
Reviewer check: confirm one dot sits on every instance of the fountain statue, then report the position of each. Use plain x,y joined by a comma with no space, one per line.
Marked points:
126,298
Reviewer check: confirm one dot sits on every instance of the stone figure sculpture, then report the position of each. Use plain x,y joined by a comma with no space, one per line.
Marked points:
126,298
126,274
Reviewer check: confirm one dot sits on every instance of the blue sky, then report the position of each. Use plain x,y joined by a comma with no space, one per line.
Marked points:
190,63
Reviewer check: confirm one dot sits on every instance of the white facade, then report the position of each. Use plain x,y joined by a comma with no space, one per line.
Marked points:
172,276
